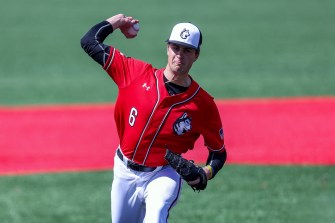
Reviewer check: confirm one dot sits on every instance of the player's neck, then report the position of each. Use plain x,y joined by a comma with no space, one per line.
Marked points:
179,79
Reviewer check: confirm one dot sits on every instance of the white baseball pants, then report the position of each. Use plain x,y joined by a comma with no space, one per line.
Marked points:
139,197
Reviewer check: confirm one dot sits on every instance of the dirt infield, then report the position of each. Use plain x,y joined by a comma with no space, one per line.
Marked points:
83,137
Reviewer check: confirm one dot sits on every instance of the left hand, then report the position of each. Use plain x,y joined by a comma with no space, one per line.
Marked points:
208,174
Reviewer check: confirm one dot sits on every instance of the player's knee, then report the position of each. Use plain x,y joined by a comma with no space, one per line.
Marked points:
158,212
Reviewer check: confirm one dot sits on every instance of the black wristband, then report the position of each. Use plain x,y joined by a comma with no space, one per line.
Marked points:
216,161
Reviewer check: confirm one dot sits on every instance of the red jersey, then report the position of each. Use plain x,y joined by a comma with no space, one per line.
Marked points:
148,119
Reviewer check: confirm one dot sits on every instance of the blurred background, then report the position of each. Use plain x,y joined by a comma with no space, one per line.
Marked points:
251,49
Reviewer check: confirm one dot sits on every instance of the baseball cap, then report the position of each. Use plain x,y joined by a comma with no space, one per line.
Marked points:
186,34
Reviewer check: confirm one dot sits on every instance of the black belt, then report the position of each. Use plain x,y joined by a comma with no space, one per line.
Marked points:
134,166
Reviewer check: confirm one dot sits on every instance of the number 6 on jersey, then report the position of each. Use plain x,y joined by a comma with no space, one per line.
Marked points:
132,116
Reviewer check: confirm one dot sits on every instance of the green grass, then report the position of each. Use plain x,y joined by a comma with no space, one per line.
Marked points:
250,194
251,48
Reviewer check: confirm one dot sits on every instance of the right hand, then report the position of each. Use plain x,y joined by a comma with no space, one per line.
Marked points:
122,22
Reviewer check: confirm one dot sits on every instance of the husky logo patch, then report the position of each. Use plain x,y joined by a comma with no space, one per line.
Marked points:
185,33
182,124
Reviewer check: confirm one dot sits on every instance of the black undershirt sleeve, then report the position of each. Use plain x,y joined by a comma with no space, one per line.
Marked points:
216,160
92,42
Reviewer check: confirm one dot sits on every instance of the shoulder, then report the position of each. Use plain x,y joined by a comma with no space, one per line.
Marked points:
205,100
202,93
122,61
205,95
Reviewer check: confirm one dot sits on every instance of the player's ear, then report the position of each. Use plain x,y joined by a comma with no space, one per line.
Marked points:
197,54
167,49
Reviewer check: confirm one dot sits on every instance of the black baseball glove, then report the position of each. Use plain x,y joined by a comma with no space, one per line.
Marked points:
187,170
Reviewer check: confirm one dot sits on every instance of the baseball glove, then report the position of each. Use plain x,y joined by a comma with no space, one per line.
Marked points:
187,170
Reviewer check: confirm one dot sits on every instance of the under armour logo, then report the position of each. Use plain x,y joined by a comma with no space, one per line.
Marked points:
146,87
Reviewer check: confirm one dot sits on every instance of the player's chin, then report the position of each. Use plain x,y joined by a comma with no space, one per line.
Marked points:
179,68
179,72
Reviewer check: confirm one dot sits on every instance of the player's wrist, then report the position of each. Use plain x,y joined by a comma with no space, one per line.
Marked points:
209,171
116,20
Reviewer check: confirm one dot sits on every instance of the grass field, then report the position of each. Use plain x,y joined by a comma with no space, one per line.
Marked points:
250,194
260,48
251,48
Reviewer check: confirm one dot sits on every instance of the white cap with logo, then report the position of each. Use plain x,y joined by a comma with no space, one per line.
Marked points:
186,34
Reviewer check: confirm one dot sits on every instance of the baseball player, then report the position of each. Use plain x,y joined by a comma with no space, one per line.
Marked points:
159,114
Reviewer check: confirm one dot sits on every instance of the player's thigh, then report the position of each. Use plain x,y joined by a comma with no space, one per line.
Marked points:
126,205
161,194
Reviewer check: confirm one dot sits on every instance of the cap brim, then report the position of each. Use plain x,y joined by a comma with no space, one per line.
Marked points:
181,43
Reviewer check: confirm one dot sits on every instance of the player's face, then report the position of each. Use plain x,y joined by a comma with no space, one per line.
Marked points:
180,58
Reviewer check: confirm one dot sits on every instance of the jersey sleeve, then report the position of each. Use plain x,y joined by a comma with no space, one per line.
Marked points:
213,133
122,69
